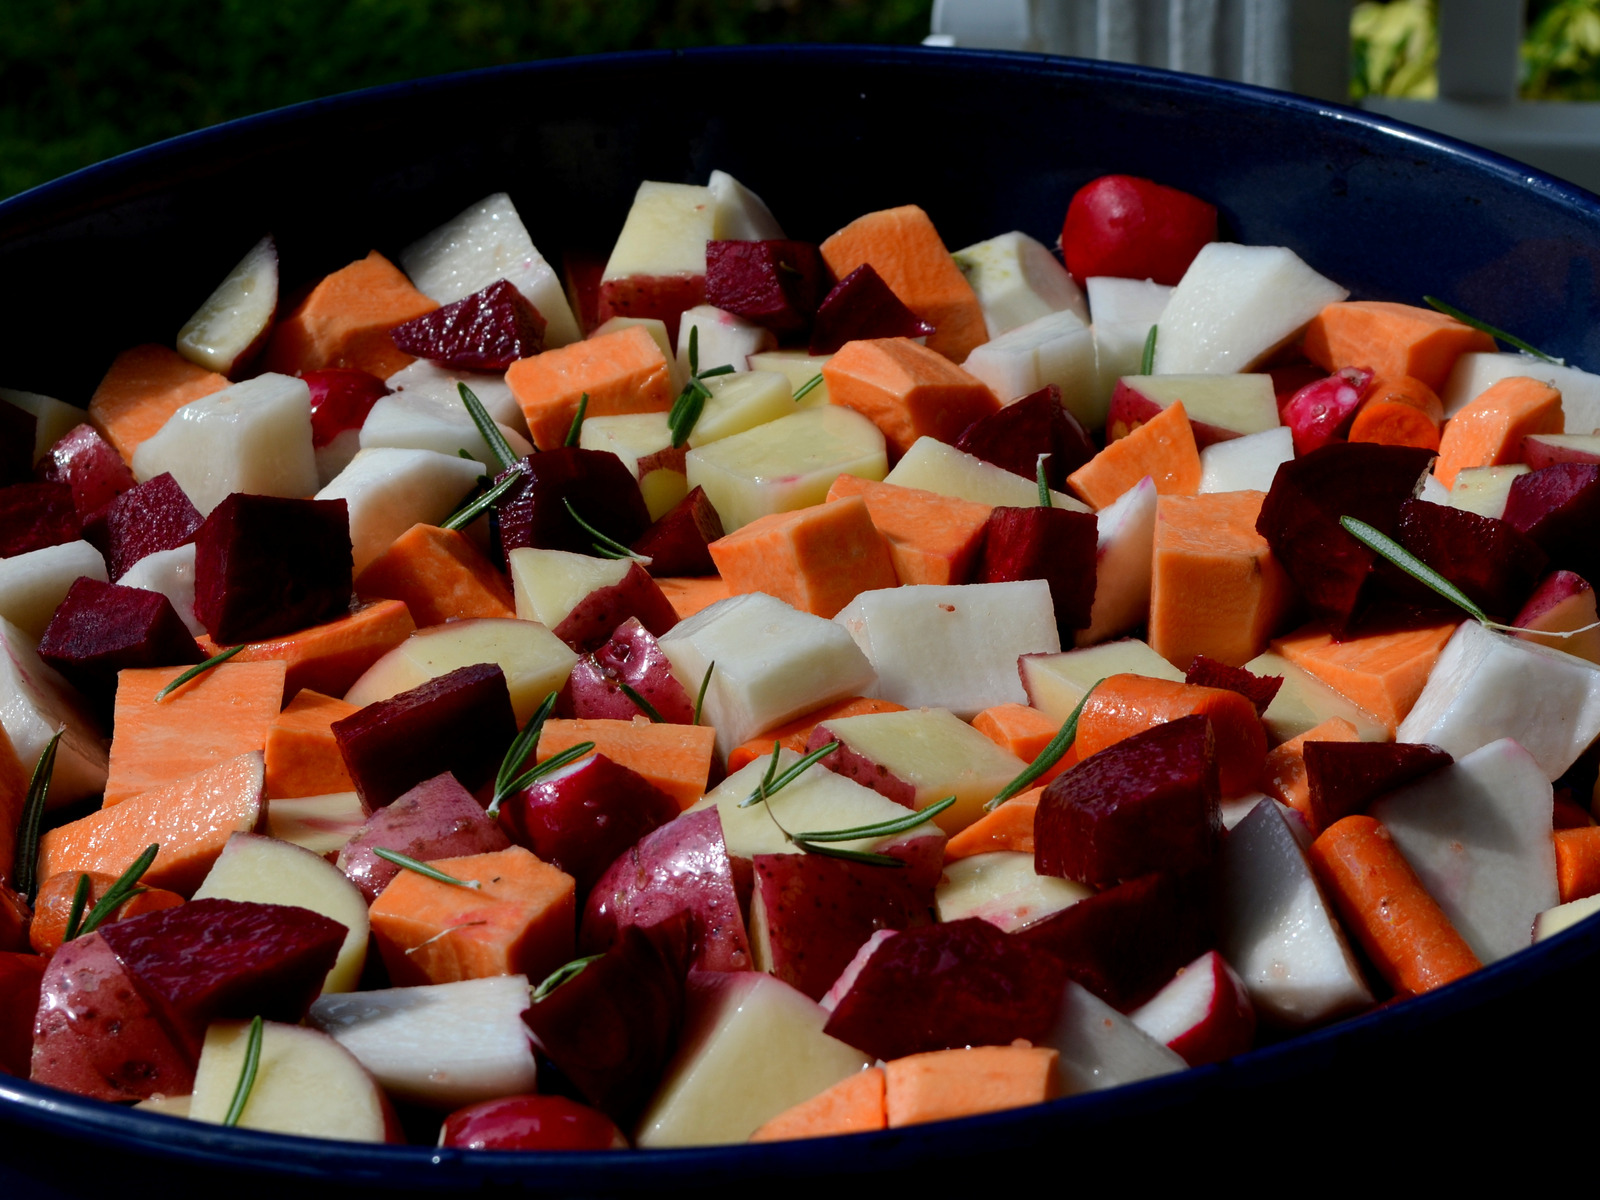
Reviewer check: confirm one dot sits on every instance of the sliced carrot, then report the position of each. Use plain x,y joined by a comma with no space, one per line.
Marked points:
905,249
330,657
1216,588
1380,673
142,390
1391,339
1009,827
853,1105
1123,705
191,819
53,907
1489,431
1394,423
816,559
519,920
676,758
1162,448
303,758
793,735
1284,774
217,716
14,779
622,372
944,1084
1024,732
439,575
689,594
1401,927
907,390
1578,862
932,538
346,319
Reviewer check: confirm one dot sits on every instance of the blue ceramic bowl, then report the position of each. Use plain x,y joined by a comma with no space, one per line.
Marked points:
121,252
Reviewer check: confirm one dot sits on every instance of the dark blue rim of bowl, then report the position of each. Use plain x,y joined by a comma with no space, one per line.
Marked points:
108,1125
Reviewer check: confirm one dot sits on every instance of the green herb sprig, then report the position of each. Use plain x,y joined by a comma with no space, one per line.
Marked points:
194,672
554,763
643,705
1147,360
247,1073
576,429
604,546
1044,484
25,865
119,893
1451,310
520,750
480,504
772,783
806,388
423,869
562,974
498,446
691,402
705,682
1048,757
819,841
80,897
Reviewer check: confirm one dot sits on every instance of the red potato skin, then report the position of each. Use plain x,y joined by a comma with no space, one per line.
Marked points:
436,819
531,1123
863,770
631,656
591,622
665,297
1135,229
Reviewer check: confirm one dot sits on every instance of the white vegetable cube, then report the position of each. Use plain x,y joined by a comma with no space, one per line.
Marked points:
34,584
721,339
1017,280
320,824
1056,348
1483,490
740,214
389,490
630,436
1303,702
52,419
252,437
1100,1048
1123,311
1002,888
170,572
1245,464
35,702
773,663
431,381
1055,683
935,466
800,369
786,464
954,647
742,401
1475,373
665,232
407,421
1564,916
549,584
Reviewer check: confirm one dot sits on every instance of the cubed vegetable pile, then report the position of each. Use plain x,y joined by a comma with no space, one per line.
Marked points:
742,688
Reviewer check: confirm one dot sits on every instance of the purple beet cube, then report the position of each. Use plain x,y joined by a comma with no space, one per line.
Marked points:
486,331
436,819
100,628
461,722
266,565
36,515
773,283
862,306
1344,777
154,516
1490,561
1013,438
598,487
92,468
1053,544
1558,507
679,543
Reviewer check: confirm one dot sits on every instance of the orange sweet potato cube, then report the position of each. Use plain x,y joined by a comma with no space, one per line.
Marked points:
621,372
440,575
1391,340
817,559
944,1084
142,390
303,758
1162,448
1380,673
346,319
906,390
932,538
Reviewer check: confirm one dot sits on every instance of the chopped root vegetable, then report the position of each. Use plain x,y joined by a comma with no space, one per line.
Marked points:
1578,862
1489,431
302,754
816,559
621,372
345,322
853,1105
330,657
1283,777
1009,827
944,1084
1162,448
1380,673
907,390
440,575
676,758
1391,340
144,387
932,538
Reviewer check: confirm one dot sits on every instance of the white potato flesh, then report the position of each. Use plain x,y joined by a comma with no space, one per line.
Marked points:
320,824
953,646
549,584
1484,490
424,380
1476,373
52,418
389,490
721,339
1123,311
1242,404
1056,682
408,421
1123,564
934,466
741,215
1002,888
170,572
629,436
1245,464
234,317
35,702
1056,348
1100,1048
1017,280
665,232
34,584
1564,916
252,437
1303,702
739,402
800,368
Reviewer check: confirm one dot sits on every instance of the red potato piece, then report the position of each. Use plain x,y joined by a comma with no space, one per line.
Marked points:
531,1123
1134,228
436,819
1559,508
633,657
637,597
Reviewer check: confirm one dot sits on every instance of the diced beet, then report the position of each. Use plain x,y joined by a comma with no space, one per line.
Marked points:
266,565
486,331
636,596
773,283
1013,437
92,468
436,819
154,516
1124,944
1300,518
612,1027
18,433
678,544
211,960
1344,777
341,398
460,722
599,488
1146,803
862,306
1487,559
938,987
1320,413
1260,690
1053,544
36,515
100,628
584,815
631,656
1558,507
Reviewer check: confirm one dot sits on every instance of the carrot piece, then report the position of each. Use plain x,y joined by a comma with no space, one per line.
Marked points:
943,1084
906,390
932,538
53,908
1578,862
689,594
330,657
1123,705
816,559
622,372
1380,673
1009,827
214,718
142,390
14,779
439,575
1401,927
905,249
191,819
1391,339
520,920
793,735
1284,774
1162,448
346,319
676,758
1024,732
1216,588
1489,431
1394,423
303,757
853,1105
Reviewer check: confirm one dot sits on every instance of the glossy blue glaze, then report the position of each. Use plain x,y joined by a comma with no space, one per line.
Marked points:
120,253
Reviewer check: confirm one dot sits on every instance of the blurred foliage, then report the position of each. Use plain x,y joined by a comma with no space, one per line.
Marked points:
1561,52
1394,49
81,80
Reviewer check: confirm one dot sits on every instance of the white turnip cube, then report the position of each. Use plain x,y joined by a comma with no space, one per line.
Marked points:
740,214
1056,348
1303,702
408,421
742,401
1018,280
1124,549
1245,464
934,466
1100,1048
170,572
33,585
390,490
34,703
432,381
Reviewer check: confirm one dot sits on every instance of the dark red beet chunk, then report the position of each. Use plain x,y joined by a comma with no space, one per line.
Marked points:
1344,777
1013,438
600,489
486,331
436,819
1487,559
938,987
861,306
1260,690
154,516
100,628
91,467
678,543
341,398
774,283
460,722
18,433
1558,507
264,566
1052,544
36,515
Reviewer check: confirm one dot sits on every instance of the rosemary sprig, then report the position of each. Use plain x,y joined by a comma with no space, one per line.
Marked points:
1147,360
498,446
216,660
124,889
554,763
644,705
606,547
879,828
691,402
577,420
422,868
521,749
705,682
80,897
1044,484
772,783
1451,310
25,865
561,974
247,1074
1048,757
473,509
806,388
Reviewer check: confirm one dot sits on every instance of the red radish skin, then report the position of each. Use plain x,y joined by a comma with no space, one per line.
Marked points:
1134,228
531,1123
1204,1014
341,398
1321,412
